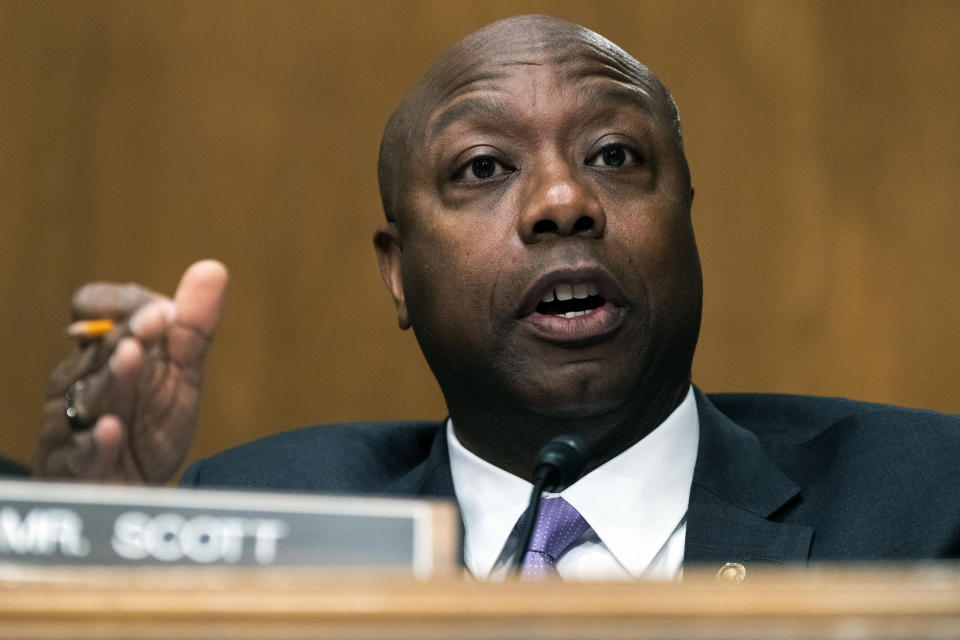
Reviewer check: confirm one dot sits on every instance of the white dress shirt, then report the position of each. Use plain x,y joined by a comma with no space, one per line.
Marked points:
635,504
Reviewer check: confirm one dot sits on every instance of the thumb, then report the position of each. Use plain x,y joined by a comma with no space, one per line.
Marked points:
197,304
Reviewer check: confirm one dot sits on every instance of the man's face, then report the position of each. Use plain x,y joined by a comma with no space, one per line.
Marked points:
547,258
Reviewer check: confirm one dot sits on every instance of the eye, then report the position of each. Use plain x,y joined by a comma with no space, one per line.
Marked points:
480,168
615,155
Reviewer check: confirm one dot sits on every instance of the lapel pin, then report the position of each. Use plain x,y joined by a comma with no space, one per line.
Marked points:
731,573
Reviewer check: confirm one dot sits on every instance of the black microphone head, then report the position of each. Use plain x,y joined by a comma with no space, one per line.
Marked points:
560,462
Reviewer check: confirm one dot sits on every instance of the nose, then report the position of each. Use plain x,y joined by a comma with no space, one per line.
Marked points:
560,204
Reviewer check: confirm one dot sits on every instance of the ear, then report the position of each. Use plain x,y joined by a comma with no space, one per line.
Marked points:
386,241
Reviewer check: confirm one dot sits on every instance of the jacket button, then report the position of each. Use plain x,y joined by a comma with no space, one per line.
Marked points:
732,573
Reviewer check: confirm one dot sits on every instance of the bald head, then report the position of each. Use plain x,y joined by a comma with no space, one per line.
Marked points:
473,59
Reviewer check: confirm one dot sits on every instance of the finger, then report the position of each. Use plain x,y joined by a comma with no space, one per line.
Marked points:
108,300
150,321
123,370
198,300
125,360
89,455
112,388
105,395
96,452
147,324
109,436
70,370
90,356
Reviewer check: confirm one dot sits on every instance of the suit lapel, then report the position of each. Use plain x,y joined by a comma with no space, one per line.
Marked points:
430,478
736,488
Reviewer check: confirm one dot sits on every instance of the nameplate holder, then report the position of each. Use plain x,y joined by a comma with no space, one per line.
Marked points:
57,524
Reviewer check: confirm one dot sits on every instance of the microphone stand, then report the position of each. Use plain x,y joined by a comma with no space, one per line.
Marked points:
557,465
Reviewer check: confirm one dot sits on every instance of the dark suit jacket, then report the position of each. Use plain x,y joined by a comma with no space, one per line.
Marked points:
778,479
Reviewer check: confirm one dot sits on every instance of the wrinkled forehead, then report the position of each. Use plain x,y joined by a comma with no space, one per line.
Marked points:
491,55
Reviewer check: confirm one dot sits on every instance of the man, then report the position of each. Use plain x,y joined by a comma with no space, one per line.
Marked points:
539,243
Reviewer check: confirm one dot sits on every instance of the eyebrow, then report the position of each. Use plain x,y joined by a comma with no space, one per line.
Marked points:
493,110
597,96
488,109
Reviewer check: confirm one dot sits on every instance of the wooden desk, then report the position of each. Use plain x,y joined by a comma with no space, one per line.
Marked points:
188,604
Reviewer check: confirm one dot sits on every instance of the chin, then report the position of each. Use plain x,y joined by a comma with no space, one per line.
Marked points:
574,400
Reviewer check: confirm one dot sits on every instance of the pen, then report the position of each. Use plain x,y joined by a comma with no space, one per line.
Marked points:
88,329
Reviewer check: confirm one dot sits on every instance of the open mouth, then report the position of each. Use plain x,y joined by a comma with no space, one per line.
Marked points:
574,306
567,300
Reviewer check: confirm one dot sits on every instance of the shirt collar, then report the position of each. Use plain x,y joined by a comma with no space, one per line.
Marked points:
633,502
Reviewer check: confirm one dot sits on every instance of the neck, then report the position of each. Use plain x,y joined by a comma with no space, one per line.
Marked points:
510,436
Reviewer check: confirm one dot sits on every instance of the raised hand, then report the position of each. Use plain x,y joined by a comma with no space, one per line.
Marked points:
136,389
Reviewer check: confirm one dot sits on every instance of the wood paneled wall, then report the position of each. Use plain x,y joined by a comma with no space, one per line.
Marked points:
136,137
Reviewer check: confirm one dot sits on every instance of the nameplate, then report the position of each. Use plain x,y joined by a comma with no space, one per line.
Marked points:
72,524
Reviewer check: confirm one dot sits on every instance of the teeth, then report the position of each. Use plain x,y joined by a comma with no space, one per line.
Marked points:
574,314
567,291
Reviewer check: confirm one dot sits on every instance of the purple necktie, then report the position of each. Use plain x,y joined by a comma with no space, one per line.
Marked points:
558,525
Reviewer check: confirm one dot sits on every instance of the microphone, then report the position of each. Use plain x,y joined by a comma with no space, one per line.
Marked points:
557,465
